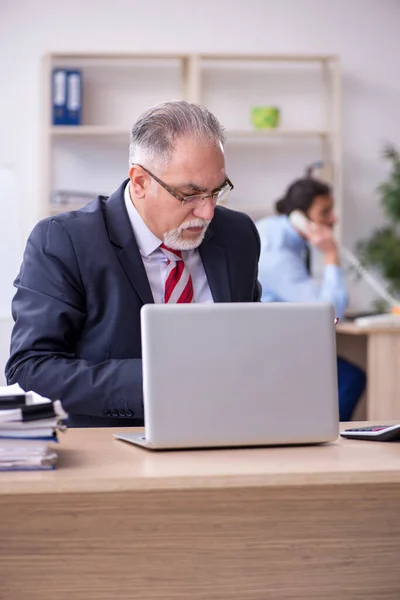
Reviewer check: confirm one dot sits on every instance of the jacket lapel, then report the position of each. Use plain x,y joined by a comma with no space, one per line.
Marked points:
121,235
215,265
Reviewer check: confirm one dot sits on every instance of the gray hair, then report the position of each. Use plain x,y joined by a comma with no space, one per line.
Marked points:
154,134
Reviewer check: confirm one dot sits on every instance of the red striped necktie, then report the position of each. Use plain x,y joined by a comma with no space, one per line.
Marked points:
178,283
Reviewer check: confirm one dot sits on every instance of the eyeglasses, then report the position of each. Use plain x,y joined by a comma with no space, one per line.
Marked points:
217,196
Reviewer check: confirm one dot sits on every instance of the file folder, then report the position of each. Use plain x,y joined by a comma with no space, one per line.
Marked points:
74,97
59,96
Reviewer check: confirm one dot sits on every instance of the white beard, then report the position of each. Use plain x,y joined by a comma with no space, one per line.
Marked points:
173,239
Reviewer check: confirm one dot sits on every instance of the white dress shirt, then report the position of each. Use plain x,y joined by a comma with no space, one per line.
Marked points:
155,262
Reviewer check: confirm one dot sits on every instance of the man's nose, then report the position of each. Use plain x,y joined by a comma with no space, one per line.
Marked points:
206,211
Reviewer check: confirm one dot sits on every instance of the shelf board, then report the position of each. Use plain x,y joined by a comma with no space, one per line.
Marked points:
270,57
178,55
261,208
276,133
110,56
257,210
106,131
88,131
57,209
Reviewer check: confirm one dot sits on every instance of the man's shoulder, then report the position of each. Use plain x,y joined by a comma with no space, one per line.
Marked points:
230,218
90,211
75,228
74,220
93,215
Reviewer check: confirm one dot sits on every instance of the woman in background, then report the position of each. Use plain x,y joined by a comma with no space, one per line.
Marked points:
285,273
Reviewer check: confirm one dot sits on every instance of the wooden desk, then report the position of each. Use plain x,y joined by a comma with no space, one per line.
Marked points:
118,522
377,350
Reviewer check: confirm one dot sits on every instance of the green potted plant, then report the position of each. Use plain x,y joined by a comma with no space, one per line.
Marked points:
381,250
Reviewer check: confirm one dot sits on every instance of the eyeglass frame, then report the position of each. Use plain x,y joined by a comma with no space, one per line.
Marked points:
185,200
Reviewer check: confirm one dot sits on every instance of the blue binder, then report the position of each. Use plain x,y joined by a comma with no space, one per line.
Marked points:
59,96
74,97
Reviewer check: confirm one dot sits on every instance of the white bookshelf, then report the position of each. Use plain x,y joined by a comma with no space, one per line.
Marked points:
93,157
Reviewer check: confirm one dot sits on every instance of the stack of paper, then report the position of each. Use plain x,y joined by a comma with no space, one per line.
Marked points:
28,425
33,455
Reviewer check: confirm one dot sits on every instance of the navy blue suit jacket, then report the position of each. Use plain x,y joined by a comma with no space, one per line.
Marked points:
80,289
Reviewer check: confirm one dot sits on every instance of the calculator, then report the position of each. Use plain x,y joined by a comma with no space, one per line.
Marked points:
378,433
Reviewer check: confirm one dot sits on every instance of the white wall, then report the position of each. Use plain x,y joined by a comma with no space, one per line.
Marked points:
363,32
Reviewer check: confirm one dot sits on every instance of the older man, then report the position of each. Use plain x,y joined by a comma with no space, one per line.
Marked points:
159,238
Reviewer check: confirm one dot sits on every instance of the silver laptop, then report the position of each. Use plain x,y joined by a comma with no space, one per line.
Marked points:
223,375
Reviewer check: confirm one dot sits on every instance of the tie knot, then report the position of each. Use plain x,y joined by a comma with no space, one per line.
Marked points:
172,255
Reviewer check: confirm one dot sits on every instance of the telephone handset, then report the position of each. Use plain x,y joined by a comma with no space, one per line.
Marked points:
299,220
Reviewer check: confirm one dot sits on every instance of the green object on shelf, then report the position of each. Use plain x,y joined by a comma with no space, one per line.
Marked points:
265,117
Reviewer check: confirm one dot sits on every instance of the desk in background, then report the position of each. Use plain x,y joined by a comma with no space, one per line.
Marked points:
377,351
115,521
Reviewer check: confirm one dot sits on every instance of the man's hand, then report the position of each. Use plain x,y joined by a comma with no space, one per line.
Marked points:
321,236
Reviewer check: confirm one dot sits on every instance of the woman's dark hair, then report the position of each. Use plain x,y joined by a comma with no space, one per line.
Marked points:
301,194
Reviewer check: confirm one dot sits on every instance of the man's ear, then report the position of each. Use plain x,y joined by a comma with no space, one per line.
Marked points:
139,181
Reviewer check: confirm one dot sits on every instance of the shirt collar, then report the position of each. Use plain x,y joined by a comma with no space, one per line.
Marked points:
145,238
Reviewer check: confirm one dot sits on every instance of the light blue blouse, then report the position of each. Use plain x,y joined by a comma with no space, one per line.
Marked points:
283,273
